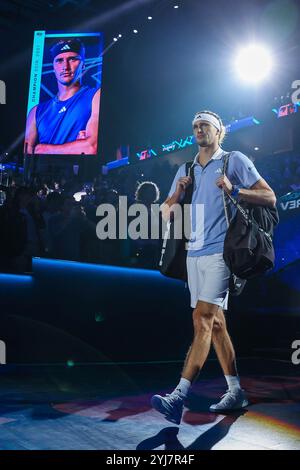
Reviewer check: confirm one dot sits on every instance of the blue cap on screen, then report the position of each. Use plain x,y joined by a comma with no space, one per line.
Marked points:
69,45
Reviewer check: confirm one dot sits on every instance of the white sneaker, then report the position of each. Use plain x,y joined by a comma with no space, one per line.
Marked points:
171,406
231,400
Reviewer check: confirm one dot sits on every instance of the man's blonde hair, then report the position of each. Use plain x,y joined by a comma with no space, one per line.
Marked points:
222,133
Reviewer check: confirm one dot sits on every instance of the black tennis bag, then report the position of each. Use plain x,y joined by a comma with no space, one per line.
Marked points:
172,261
248,245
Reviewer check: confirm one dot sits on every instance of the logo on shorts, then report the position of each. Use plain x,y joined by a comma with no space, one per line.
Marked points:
218,170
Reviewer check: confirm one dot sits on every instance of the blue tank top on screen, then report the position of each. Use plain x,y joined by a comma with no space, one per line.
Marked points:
59,122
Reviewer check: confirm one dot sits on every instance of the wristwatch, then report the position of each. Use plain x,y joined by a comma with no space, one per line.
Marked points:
235,191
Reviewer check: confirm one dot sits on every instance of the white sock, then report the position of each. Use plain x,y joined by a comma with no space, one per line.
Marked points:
233,382
183,387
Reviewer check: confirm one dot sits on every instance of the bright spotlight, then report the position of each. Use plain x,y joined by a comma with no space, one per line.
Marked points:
253,63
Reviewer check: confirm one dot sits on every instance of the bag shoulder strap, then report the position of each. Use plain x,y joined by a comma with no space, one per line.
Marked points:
189,171
225,163
227,210
228,197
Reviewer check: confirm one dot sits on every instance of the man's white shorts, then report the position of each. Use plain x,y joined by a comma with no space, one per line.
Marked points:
208,279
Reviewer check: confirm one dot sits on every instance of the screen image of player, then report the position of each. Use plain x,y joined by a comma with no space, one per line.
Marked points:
64,94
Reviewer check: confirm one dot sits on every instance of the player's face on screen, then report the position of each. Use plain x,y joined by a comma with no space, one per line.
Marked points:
68,67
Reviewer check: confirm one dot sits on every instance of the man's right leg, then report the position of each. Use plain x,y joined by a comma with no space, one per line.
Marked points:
203,321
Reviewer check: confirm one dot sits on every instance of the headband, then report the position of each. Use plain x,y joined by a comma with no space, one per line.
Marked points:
70,45
209,118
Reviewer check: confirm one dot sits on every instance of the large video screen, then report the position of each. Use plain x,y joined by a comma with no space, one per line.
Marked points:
64,94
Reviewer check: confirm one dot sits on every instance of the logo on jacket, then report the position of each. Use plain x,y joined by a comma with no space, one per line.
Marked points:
219,170
62,110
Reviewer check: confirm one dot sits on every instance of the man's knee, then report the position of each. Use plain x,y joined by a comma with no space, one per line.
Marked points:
203,316
219,324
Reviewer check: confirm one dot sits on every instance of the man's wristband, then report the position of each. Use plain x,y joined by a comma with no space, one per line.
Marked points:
235,191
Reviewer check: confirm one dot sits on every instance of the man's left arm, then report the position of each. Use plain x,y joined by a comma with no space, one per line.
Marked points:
259,193
86,145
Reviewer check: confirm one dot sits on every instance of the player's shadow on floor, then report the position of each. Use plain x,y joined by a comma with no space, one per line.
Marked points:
216,433
167,437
